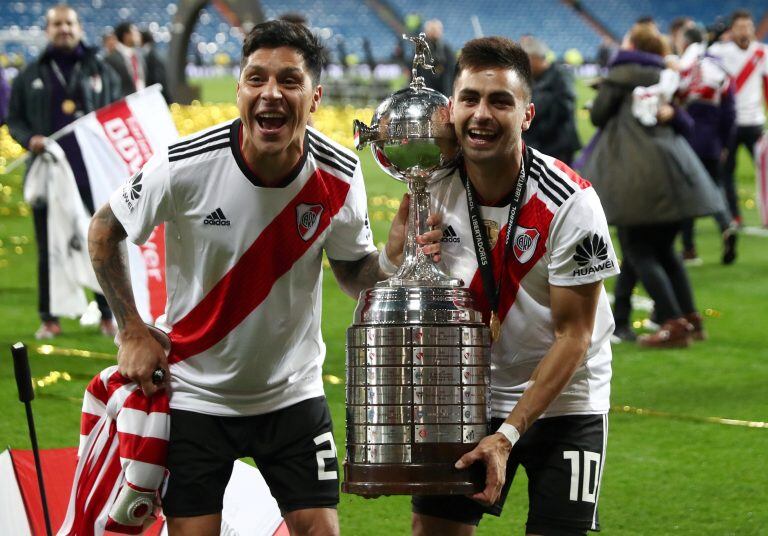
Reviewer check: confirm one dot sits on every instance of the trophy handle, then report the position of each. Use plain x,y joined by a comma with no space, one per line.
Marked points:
363,134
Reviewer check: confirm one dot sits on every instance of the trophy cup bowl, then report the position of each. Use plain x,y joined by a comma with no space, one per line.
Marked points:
418,353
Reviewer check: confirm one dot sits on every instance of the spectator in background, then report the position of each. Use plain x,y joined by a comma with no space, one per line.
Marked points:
65,82
706,93
127,60
442,79
676,30
108,44
649,181
746,60
5,95
554,131
156,70
605,51
368,54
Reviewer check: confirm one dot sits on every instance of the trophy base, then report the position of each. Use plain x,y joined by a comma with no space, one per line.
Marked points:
440,478
370,480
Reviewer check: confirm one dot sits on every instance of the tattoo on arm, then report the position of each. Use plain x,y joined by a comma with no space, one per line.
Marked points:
106,245
355,276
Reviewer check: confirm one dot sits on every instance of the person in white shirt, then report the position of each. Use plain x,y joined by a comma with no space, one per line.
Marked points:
249,206
542,289
746,60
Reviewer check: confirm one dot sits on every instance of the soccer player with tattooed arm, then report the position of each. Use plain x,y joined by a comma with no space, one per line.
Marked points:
540,289
249,207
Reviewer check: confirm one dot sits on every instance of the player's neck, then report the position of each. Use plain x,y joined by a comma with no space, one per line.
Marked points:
495,179
272,169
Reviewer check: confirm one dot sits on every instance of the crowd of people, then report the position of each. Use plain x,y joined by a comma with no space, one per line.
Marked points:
671,111
245,362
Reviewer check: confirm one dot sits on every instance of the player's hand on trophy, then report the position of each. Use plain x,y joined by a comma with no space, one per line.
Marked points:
493,451
139,355
398,232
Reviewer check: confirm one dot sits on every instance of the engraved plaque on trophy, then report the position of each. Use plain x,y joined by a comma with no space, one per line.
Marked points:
418,353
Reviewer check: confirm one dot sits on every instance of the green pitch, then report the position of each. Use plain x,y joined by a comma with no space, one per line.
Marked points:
672,474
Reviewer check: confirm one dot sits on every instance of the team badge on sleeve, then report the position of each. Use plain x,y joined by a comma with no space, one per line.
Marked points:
524,246
308,219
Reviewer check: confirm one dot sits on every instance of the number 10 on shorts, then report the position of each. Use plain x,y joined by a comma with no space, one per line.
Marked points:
586,465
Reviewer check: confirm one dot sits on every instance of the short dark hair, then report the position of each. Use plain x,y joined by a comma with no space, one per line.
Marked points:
146,37
279,33
693,35
294,17
740,14
495,53
122,29
678,23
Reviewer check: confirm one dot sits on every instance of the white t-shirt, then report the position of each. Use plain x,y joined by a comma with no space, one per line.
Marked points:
561,239
749,72
244,265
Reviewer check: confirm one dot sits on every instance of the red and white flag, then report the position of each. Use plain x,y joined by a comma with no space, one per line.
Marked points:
115,142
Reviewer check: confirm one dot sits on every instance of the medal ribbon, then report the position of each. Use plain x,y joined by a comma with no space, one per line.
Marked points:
68,87
491,287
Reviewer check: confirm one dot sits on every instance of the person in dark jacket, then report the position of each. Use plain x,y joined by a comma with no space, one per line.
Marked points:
127,59
445,59
554,131
156,70
5,94
707,94
67,81
649,181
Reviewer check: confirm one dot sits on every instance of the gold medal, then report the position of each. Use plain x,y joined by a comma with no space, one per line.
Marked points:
495,325
68,106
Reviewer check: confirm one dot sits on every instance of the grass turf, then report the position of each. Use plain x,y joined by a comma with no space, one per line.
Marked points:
663,474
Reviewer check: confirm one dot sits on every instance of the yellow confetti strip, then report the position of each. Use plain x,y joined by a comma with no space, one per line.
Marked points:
53,377
47,349
678,416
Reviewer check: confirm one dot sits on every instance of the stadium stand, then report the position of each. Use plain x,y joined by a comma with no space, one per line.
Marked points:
550,20
351,21
623,14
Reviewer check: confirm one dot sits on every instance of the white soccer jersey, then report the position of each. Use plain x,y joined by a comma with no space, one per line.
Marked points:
244,265
703,78
561,239
749,71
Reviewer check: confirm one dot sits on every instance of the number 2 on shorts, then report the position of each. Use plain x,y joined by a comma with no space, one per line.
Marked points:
323,455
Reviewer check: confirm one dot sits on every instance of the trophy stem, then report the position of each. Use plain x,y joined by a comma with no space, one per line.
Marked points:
418,269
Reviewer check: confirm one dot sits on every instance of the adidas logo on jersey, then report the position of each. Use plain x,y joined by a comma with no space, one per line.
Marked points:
216,217
449,235
592,250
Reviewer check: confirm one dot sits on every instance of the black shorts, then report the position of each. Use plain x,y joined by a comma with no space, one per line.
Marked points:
563,457
292,447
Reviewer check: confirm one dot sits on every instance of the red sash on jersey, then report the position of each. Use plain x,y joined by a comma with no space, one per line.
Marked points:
749,68
249,282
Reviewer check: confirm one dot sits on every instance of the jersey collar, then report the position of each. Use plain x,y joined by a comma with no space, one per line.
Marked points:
235,139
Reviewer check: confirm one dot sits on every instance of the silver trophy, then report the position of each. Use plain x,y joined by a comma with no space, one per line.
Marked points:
418,353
